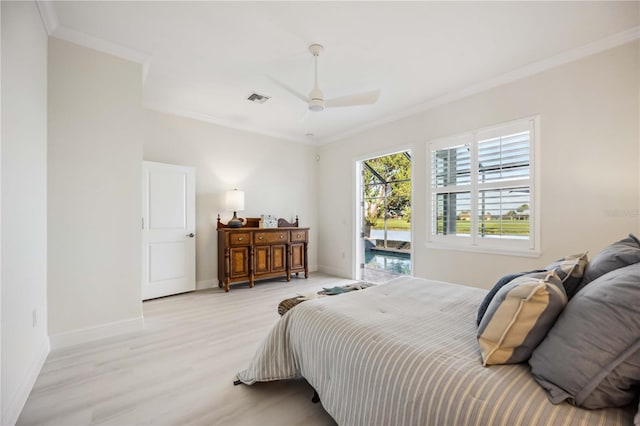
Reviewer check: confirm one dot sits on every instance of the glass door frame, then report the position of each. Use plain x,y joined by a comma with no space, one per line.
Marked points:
358,239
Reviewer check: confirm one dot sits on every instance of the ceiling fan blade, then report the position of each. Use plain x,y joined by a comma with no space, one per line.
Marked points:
365,98
304,116
300,96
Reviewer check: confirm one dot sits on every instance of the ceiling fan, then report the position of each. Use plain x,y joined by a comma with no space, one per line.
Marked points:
316,101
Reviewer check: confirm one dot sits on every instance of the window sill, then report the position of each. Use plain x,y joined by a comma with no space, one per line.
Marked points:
518,252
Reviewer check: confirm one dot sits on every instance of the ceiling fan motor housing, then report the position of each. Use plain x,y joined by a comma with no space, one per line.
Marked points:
316,100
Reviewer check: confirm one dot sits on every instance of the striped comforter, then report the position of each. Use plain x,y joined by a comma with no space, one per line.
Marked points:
406,353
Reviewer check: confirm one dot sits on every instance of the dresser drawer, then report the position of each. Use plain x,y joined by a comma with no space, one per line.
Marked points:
298,235
239,238
271,237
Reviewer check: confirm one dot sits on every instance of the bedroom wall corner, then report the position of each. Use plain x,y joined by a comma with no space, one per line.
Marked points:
24,338
95,174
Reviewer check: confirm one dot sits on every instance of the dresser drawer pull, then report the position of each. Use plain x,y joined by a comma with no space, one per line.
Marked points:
261,237
240,238
299,235
281,236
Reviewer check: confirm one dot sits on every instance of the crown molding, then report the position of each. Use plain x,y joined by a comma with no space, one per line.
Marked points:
48,15
597,46
76,37
54,29
226,123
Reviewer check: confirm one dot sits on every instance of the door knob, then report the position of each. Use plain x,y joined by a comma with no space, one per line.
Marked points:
191,235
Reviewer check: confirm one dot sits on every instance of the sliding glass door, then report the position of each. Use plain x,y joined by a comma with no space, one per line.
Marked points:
385,217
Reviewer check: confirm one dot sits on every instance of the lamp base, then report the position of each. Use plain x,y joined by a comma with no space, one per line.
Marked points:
234,222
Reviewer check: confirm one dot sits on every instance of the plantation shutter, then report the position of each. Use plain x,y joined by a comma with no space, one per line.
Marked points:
482,184
451,177
503,182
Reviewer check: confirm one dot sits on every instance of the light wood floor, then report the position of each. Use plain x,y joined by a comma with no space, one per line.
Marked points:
378,276
180,369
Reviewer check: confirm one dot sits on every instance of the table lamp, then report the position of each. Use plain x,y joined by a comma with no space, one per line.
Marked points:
234,201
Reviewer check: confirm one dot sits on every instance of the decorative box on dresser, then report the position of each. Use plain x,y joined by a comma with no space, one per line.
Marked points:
251,253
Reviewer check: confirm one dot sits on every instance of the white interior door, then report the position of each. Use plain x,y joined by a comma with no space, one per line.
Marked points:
168,230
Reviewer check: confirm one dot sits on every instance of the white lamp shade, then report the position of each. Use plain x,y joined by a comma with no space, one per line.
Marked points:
234,200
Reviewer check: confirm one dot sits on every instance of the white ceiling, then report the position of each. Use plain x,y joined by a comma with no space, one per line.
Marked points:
203,59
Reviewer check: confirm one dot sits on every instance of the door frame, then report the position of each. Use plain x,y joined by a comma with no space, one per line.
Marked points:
357,249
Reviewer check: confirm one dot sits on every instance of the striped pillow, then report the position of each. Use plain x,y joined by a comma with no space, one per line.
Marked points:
496,288
570,270
519,317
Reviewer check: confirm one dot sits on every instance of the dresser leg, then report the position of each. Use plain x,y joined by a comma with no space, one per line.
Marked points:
226,286
306,261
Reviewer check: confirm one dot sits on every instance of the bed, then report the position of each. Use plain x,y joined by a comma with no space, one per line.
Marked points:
378,357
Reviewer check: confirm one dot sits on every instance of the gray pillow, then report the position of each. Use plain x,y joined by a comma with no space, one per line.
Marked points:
617,255
591,356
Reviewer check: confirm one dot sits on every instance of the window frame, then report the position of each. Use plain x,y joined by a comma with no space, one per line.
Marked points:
474,242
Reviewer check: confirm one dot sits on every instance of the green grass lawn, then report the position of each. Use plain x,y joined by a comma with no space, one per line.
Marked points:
497,227
395,224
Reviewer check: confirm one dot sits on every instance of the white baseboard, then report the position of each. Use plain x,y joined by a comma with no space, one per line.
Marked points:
334,271
83,335
16,402
204,284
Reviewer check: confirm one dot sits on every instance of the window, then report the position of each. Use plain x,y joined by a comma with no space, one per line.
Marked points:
482,192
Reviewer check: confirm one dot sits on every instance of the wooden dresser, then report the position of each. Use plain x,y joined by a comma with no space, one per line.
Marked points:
251,253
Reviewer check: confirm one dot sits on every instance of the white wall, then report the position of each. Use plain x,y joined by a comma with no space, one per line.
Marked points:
278,177
95,169
590,189
24,203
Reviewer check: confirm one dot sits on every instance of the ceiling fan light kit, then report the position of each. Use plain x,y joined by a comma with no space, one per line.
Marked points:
316,105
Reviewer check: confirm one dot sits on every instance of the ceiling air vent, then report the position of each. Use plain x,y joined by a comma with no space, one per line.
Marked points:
260,99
